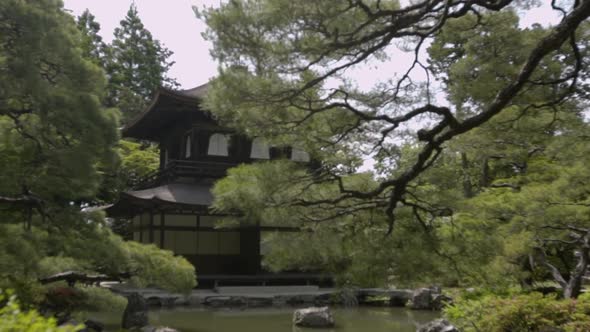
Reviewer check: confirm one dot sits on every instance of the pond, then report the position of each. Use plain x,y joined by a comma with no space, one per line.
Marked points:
359,319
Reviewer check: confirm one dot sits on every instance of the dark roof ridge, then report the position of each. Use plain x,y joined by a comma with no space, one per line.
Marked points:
189,95
196,92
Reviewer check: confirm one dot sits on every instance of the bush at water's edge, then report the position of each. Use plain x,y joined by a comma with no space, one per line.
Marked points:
519,313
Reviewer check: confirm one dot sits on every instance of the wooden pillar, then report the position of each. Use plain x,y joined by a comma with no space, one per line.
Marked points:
197,224
197,145
141,226
162,219
193,145
151,228
250,249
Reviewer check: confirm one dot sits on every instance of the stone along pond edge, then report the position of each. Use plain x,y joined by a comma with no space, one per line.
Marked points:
314,301
416,299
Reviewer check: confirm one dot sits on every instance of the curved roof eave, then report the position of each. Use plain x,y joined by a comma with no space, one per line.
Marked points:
191,96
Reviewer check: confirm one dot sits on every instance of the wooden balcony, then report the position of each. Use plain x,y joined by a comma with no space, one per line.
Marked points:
182,169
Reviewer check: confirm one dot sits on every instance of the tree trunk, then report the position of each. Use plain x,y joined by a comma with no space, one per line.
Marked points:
467,187
484,178
574,286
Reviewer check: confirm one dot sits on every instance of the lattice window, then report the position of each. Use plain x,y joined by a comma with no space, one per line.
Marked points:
260,150
187,147
299,155
218,145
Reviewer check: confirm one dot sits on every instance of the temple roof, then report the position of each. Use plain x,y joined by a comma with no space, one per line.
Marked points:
196,92
195,195
165,108
181,193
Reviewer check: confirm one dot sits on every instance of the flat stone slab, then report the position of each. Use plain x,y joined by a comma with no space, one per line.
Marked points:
395,297
265,289
383,292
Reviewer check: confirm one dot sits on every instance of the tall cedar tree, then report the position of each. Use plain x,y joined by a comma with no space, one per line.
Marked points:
136,67
136,159
92,44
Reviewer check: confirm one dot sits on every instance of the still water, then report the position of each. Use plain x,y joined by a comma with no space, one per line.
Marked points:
361,319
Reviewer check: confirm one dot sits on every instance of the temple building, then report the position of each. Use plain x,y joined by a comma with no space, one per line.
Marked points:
170,207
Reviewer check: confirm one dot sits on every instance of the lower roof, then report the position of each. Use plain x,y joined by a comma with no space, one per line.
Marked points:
185,194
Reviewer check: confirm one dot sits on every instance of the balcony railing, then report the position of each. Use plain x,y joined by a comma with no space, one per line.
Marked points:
182,169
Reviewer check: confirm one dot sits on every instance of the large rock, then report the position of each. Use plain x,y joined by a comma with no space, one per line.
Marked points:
439,301
135,314
195,300
421,299
383,296
181,301
429,299
399,298
313,317
437,325
93,325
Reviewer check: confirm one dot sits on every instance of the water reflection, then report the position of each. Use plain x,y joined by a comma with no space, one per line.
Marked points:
360,319
277,320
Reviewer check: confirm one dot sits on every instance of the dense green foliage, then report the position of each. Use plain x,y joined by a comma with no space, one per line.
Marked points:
488,191
136,160
97,299
14,319
156,267
352,246
519,313
57,141
521,174
136,65
31,254
54,133
534,216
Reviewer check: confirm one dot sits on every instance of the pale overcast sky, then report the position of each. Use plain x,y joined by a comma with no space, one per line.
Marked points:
171,21
175,25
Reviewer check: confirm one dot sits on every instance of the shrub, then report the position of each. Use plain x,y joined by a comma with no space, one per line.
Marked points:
519,313
156,267
102,299
13,319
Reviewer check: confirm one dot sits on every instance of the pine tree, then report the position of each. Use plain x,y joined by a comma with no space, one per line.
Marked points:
56,140
54,132
137,66
92,44
284,72
284,75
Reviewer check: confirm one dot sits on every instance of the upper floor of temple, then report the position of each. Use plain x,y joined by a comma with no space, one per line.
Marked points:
192,143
